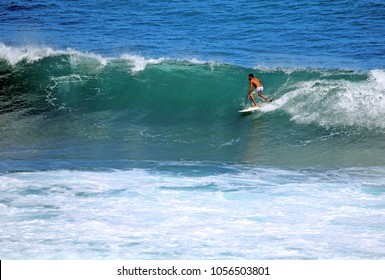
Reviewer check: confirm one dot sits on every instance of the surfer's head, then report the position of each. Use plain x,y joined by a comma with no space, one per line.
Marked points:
251,76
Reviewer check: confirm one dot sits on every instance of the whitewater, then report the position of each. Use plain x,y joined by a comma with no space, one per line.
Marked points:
121,136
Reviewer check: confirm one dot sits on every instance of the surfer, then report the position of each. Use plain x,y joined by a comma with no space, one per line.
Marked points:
257,83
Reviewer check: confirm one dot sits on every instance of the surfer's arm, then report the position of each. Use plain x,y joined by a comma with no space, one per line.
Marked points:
250,89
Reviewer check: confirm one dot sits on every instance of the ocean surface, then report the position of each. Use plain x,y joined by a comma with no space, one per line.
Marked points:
120,136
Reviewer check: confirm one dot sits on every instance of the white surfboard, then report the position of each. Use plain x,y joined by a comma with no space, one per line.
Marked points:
252,109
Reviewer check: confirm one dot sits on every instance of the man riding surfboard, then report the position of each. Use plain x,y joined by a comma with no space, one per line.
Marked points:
257,83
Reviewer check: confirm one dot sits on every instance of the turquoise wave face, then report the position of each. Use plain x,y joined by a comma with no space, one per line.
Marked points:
168,90
63,105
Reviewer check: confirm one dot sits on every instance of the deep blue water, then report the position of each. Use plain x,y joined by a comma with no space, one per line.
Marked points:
347,34
121,137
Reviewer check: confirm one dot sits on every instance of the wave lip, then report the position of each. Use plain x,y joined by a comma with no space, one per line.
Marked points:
30,54
139,63
14,55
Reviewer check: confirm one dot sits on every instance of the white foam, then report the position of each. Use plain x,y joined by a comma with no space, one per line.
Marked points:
29,53
195,61
378,76
77,57
139,62
140,213
32,53
338,102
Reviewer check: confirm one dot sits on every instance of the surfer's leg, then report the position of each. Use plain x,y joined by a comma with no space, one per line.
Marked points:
264,97
251,96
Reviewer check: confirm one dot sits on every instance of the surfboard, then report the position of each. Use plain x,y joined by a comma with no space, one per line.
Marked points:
254,108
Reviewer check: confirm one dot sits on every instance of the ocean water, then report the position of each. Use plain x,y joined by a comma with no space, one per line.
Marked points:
121,137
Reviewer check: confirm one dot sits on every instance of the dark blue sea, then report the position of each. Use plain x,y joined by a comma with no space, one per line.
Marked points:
120,136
